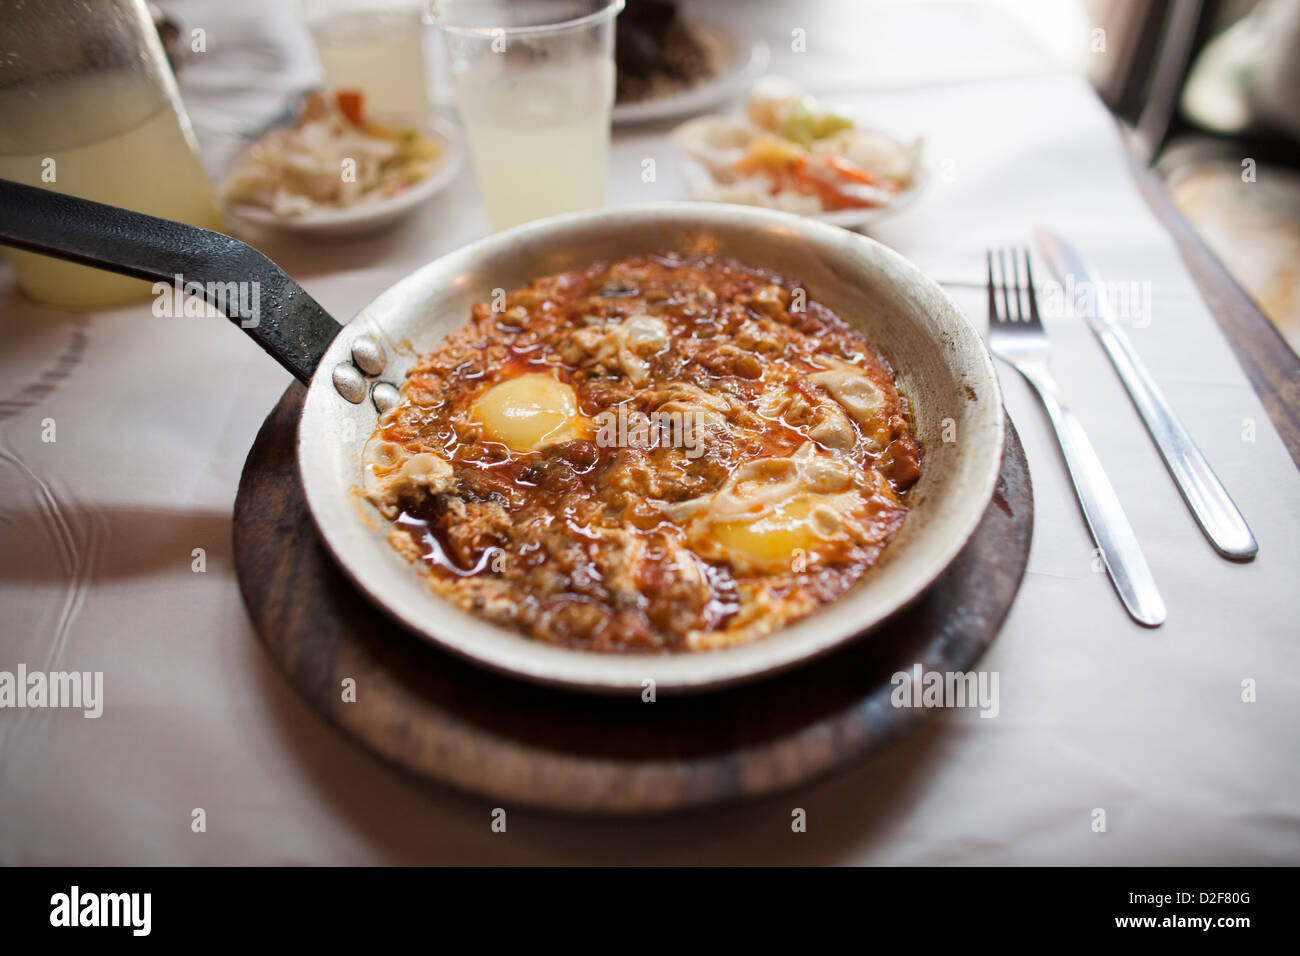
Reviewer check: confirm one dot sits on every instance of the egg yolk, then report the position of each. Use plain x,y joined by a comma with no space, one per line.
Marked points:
771,541
529,412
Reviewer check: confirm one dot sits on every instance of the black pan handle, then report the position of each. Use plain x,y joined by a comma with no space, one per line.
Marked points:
289,324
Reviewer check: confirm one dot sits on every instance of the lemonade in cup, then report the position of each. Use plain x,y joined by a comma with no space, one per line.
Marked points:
534,84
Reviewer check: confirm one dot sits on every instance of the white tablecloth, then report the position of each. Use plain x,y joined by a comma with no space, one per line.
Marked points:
156,415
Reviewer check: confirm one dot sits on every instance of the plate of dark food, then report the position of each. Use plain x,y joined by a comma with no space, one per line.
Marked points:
672,65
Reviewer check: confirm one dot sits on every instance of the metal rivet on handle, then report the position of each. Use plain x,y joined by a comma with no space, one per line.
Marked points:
349,383
368,355
385,396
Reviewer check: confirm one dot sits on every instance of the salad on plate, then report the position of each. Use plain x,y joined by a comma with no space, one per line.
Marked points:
791,153
333,157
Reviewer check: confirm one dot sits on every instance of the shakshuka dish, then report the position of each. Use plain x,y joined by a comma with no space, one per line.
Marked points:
661,454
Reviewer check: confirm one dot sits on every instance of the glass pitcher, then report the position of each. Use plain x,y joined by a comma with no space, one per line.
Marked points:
89,107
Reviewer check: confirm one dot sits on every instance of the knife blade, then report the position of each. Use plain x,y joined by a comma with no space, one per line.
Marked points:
1206,498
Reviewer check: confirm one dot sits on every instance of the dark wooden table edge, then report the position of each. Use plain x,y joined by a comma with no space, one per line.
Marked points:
1270,365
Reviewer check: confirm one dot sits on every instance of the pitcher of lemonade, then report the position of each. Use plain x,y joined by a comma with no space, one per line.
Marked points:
89,107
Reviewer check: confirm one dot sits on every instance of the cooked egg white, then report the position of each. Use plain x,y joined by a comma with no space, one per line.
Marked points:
774,538
529,412
772,511
808,527
858,395
391,474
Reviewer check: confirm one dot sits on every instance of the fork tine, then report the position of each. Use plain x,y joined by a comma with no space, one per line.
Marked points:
993,297
1033,298
1020,288
1017,255
1008,280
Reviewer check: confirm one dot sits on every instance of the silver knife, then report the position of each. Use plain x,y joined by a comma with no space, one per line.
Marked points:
1205,495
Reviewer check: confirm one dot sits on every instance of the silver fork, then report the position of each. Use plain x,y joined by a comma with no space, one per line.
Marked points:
1016,336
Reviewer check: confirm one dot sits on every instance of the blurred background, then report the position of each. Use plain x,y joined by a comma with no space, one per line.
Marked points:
1207,92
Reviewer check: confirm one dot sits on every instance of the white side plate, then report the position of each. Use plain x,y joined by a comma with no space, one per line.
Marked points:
371,215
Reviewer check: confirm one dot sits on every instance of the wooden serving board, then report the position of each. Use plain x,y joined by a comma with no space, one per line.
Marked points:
517,744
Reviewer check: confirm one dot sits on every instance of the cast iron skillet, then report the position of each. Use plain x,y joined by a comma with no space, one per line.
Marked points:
352,373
